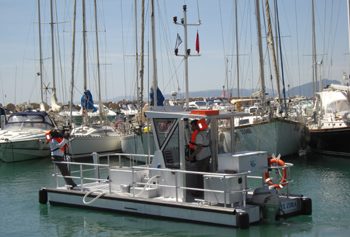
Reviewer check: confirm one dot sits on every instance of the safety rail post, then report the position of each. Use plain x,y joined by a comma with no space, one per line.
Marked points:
176,188
245,189
81,175
224,190
133,181
288,175
56,176
120,160
96,160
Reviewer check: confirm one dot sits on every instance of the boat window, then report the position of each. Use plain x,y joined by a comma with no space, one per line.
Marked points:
171,152
201,103
48,121
338,106
19,119
163,126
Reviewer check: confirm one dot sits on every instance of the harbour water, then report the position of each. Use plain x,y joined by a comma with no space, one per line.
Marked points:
326,180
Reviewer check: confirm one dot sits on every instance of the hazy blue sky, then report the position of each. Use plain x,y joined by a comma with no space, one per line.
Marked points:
19,52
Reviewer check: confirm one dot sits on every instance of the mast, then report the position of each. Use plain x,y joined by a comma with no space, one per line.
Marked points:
348,5
40,56
281,60
237,50
53,52
314,59
84,46
142,56
73,59
186,56
154,56
270,43
261,60
98,65
186,49
136,53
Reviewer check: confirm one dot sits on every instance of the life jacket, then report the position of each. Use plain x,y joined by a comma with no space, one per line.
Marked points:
202,125
192,143
58,139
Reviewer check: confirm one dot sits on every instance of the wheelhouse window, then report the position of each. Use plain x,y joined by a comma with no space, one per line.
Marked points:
168,138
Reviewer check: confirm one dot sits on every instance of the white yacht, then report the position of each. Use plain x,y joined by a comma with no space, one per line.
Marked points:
23,137
93,138
329,128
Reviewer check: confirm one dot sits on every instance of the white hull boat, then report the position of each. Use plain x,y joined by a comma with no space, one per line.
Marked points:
137,144
276,136
88,139
329,129
24,136
232,193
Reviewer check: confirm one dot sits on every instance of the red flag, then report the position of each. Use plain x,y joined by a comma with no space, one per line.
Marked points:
197,43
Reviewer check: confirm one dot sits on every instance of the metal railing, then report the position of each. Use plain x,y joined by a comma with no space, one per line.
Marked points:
94,170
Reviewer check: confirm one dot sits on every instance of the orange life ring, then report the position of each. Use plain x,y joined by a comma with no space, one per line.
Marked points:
283,182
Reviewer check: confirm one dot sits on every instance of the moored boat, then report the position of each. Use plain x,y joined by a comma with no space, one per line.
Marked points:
329,129
23,137
237,191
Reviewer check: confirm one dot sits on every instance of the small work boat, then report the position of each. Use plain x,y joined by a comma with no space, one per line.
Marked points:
240,189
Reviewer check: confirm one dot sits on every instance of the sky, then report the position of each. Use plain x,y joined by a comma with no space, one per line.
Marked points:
215,67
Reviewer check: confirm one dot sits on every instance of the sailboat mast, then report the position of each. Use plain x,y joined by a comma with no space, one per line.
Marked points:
84,46
348,4
142,55
40,55
136,52
261,60
53,52
98,64
314,59
271,45
237,51
281,60
154,55
73,61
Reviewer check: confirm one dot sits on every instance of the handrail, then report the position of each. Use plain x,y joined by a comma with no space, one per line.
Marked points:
136,183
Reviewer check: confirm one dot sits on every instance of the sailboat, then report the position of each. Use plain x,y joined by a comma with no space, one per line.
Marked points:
329,128
92,137
138,141
271,133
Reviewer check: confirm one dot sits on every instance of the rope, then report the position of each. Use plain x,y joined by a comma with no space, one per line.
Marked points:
147,185
101,193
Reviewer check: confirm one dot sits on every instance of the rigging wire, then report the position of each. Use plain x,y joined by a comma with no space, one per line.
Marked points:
222,37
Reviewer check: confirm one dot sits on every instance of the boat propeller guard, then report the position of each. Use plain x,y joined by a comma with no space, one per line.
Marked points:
276,163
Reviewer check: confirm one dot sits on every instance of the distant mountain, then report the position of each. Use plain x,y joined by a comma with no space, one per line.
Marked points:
302,90
307,89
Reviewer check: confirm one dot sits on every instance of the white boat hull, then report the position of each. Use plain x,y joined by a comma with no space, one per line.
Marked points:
12,151
81,145
141,206
137,144
276,137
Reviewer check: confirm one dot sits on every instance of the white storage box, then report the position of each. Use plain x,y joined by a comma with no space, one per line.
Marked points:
231,185
242,161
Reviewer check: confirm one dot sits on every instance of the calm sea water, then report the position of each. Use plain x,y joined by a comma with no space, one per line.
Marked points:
325,179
